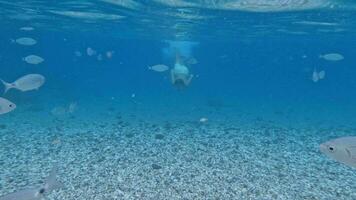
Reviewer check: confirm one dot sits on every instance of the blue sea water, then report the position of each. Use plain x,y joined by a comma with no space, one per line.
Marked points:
116,129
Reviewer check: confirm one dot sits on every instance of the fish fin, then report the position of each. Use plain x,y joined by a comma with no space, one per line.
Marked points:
7,85
12,40
31,193
51,182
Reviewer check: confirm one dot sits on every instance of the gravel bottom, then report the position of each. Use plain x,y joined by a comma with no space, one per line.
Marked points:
113,158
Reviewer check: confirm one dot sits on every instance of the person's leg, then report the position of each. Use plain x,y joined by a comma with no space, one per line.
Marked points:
173,79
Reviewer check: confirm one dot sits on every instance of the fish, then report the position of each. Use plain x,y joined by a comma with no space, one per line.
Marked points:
25,83
332,57
341,149
203,120
26,41
317,23
316,76
58,111
77,53
64,110
159,68
109,54
6,106
90,51
36,193
33,59
27,28
72,107
99,57
322,74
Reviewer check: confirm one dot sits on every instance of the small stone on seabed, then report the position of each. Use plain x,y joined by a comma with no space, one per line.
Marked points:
129,135
159,136
155,166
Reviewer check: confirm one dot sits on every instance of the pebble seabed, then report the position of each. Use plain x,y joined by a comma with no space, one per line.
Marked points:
120,159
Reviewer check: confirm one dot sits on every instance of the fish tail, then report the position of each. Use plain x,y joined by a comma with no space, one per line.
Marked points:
7,85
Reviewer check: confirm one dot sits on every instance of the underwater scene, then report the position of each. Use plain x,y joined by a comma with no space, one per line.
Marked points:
178,99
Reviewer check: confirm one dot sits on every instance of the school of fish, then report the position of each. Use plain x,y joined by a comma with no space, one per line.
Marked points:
25,83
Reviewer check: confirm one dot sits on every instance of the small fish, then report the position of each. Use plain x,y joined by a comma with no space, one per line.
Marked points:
35,193
26,83
341,149
99,57
332,57
25,41
321,75
58,111
316,76
72,107
78,53
109,54
203,120
6,106
64,110
90,51
159,68
27,28
33,59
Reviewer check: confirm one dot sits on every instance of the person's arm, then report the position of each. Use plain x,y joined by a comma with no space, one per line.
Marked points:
189,79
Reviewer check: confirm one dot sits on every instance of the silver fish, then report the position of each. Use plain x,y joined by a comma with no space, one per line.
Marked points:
341,149
26,41
322,74
315,76
332,57
33,59
35,193
26,83
90,51
27,28
78,53
6,106
109,54
159,68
